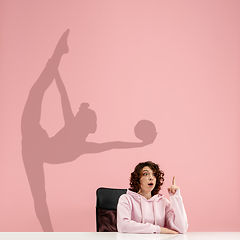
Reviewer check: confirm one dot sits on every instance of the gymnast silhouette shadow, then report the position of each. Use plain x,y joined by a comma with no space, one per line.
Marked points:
69,143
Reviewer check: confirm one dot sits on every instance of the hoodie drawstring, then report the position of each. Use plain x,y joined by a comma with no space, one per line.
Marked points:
154,213
141,210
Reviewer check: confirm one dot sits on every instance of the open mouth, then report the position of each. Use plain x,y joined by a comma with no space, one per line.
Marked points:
150,184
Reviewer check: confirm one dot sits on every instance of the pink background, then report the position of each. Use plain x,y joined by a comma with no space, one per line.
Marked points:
175,63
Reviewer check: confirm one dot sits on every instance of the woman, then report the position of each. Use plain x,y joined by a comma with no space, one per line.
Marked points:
69,143
143,210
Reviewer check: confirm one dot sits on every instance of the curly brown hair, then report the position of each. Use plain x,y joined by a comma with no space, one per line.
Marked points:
137,174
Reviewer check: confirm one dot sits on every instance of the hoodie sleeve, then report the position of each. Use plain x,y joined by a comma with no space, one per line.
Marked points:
124,222
176,217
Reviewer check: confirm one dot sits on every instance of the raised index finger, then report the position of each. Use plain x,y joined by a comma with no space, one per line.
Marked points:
173,181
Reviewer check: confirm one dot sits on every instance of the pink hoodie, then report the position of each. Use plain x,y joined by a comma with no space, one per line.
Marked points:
136,214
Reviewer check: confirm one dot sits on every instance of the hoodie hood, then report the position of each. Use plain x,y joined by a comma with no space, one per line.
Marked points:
142,201
138,197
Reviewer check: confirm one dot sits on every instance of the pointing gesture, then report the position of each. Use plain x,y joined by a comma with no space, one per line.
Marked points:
173,181
173,188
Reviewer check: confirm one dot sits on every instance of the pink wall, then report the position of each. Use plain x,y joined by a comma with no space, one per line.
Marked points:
173,62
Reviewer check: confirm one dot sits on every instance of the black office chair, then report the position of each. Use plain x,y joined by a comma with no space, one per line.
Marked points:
106,208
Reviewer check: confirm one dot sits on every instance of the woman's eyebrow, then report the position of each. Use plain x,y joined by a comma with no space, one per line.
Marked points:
145,170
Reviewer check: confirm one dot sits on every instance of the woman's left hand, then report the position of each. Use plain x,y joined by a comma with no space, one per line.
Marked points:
173,188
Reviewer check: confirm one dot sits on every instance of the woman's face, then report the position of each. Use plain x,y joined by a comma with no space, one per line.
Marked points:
147,180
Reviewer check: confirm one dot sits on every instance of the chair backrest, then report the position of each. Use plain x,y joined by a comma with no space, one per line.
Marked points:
106,208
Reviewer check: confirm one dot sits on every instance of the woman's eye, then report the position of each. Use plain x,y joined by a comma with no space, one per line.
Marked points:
145,174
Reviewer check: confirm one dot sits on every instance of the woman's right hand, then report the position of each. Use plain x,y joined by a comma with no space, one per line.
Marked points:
167,231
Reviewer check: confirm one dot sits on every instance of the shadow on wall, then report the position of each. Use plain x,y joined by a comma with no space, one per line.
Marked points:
70,142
